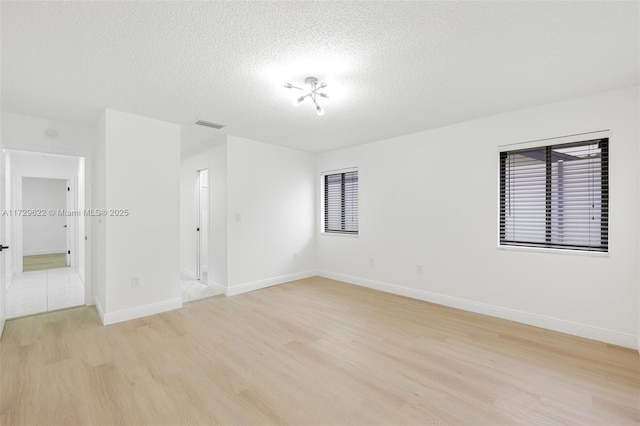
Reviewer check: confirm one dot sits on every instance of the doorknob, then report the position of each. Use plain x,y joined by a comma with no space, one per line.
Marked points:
3,247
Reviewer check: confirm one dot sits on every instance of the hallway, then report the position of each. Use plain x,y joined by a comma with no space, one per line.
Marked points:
42,291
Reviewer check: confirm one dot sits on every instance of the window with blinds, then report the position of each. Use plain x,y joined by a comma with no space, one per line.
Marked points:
556,196
341,202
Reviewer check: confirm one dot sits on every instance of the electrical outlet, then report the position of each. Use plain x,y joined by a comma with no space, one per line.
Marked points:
372,261
135,281
419,269
238,217
295,257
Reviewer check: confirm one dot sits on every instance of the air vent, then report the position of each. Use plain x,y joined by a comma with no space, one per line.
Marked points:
209,124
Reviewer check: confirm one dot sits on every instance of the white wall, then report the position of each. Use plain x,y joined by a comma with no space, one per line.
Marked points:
142,174
44,234
431,199
99,244
82,224
262,200
271,224
218,256
213,158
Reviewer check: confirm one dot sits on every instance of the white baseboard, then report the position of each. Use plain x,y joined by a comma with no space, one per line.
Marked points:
542,321
44,251
139,311
257,285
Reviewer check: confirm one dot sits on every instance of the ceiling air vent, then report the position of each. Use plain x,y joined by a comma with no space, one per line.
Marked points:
209,124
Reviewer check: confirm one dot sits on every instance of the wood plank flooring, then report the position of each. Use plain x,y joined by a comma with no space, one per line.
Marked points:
41,262
311,352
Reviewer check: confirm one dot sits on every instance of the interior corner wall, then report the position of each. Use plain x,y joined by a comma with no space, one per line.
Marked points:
82,236
141,246
431,199
215,160
271,222
218,255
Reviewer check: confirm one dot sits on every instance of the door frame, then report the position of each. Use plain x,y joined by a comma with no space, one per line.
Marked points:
200,235
19,221
77,252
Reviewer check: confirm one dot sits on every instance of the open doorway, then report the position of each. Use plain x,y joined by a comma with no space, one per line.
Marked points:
45,196
196,231
202,227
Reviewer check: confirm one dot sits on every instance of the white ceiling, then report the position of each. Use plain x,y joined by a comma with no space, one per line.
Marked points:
398,67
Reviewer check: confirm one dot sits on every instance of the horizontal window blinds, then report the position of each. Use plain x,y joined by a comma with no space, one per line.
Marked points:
341,202
556,196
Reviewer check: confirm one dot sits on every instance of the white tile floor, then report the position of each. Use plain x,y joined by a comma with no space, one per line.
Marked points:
41,291
194,290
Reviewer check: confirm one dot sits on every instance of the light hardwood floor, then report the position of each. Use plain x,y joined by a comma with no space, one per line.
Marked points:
314,351
44,261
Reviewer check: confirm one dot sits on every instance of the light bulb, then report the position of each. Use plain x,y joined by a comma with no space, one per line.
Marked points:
297,101
319,110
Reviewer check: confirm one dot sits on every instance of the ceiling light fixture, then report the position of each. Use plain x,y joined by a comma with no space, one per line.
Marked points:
313,89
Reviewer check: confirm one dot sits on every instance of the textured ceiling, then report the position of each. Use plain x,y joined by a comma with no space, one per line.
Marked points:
397,67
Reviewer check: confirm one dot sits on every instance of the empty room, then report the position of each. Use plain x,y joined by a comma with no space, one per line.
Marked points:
320,212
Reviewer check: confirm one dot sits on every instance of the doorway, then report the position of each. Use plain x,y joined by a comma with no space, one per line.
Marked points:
47,263
196,253
202,226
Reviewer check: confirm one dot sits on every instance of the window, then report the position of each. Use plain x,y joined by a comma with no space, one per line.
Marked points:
341,202
556,196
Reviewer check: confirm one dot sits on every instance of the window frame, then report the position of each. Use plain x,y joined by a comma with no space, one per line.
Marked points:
323,212
550,144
